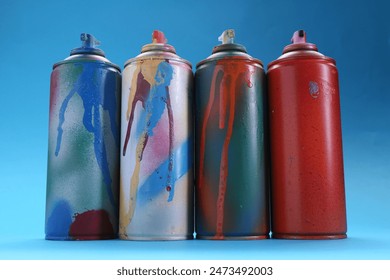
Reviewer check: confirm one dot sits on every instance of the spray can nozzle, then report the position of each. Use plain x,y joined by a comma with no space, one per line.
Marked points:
159,43
227,37
89,45
299,37
158,37
298,42
89,41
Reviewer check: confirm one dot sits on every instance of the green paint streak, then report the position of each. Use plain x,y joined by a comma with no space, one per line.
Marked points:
246,178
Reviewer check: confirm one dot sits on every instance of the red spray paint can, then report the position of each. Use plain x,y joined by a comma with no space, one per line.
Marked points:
308,197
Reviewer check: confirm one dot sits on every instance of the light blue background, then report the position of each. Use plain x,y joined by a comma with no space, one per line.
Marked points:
36,34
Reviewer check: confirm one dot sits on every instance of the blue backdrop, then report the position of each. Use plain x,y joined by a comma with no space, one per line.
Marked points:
36,34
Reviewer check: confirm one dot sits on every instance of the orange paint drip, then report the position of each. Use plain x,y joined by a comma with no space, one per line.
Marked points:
204,127
223,99
224,167
235,75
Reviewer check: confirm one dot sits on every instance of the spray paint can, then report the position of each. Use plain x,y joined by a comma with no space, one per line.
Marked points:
231,181
83,157
156,178
308,197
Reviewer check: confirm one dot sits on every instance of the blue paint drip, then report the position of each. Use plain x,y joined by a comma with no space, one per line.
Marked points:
62,120
156,102
155,105
157,99
155,183
89,87
110,104
59,221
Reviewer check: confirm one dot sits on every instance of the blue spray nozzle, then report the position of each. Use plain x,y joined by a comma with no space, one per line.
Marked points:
89,41
89,45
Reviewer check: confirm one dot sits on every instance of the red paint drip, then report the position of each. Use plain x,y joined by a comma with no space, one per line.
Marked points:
141,95
224,168
235,75
92,224
53,87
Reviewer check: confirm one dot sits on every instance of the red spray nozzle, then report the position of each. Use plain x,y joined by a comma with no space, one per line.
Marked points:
158,37
299,37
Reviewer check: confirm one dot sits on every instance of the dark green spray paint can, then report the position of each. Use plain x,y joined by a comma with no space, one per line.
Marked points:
231,182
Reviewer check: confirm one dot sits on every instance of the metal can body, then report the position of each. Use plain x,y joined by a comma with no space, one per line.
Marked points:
83,157
231,185
308,199
156,193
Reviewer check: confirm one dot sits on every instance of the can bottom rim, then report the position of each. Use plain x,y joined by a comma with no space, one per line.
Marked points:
155,238
309,236
227,237
81,237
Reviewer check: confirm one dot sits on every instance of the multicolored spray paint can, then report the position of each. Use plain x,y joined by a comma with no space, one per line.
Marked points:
308,199
83,160
156,193
231,188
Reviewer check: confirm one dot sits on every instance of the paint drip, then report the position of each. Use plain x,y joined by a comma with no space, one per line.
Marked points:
93,100
150,87
228,78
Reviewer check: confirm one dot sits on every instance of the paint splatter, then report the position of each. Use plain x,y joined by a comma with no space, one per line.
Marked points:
91,90
150,188
150,86
141,94
228,78
92,224
313,89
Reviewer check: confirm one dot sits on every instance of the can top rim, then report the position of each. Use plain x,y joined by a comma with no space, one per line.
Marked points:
229,47
84,50
94,58
158,54
231,51
158,47
300,54
232,56
300,46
